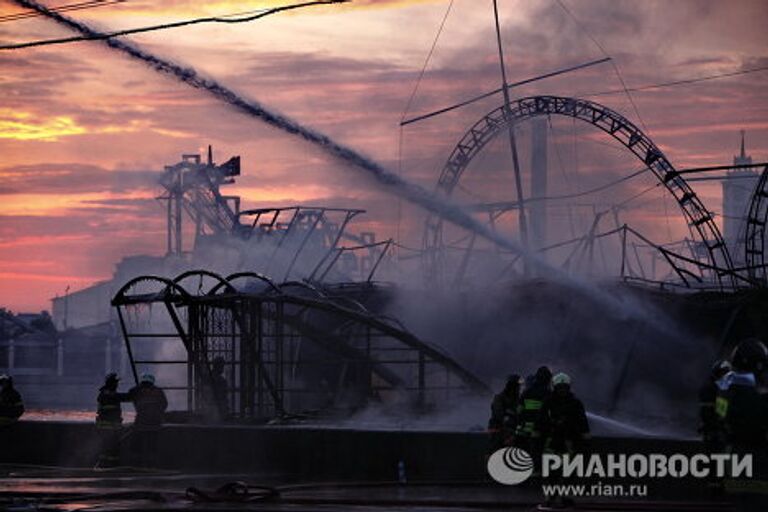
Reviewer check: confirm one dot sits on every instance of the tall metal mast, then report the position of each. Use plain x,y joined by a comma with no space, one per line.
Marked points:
512,143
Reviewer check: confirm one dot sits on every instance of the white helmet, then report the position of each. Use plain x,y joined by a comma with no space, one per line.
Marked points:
561,378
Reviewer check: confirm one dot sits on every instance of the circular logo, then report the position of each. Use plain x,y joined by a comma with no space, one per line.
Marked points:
510,466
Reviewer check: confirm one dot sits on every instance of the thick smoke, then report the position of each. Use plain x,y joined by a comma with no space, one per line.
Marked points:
630,369
411,192
524,335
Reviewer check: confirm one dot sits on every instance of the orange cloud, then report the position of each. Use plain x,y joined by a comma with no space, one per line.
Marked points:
20,125
27,126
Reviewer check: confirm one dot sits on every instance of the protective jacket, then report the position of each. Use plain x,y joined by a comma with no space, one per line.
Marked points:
529,410
710,426
11,406
743,412
109,413
563,423
150,404
503,413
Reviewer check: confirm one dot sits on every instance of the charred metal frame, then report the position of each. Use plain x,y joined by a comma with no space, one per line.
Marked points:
306,221
754,238
282,343
193,186
699,219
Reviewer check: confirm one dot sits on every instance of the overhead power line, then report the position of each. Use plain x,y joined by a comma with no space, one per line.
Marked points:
509,205
500,89
79,6
602,93
426,61
710,168
613,63
680,82
210,19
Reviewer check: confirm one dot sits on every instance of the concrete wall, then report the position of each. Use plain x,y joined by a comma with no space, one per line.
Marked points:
307,453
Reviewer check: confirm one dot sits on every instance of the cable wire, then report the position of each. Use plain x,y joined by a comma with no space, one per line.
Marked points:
683,81
165,26
613,63
408,107
575,195
426,61
90,4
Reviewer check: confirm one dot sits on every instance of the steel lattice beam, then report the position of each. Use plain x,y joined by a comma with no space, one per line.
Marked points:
617,126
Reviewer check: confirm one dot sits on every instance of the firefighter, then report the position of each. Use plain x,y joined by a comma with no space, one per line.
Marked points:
709,424
564,422
218,406
741,409
527,431
109,421
564,426
11,404
150,404
503,420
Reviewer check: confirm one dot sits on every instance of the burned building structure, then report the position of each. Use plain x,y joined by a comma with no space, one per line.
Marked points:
287,299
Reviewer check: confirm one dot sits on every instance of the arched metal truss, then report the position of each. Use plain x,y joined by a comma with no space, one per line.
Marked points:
614,124
754,238
287,348
201,275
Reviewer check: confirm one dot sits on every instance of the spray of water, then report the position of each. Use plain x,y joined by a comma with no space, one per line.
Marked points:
441,206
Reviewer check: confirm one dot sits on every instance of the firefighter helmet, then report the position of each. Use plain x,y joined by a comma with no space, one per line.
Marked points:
749,356
561,379
720,368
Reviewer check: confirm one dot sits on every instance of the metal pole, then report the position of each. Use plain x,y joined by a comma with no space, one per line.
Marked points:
169,223
179,196
304,241
128,348
623,250
512,143
66,308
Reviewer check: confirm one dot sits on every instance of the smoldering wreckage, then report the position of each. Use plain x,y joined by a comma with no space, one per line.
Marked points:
288,345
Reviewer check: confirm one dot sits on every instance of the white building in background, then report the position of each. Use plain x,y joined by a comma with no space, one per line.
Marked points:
737,194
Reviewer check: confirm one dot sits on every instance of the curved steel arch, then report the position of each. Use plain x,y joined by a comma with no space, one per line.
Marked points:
302,285
239,275
220,281
122,297
341,300
607,120
754,238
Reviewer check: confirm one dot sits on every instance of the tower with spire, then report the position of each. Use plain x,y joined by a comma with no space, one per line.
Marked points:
738,187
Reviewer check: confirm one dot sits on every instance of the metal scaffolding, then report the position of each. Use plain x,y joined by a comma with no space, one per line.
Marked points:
285,349
714,264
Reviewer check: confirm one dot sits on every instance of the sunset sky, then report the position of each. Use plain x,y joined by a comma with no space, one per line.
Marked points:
84,131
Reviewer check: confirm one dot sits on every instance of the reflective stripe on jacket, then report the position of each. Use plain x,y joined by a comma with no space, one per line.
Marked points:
529,410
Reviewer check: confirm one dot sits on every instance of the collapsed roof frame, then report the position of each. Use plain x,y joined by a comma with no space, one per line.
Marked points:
281,344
